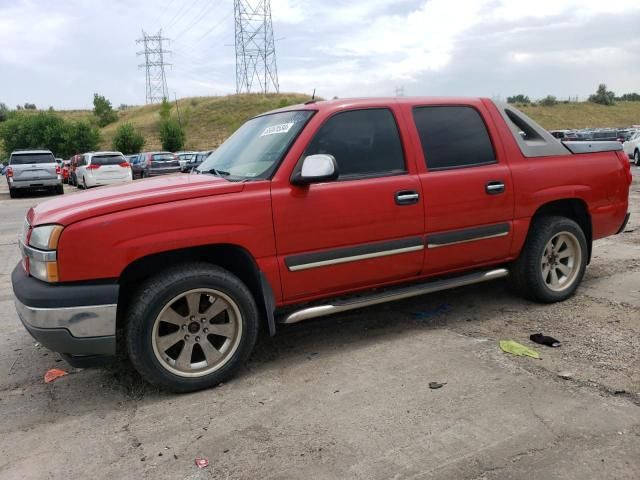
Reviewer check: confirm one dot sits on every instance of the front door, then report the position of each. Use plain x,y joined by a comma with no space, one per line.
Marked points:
363,229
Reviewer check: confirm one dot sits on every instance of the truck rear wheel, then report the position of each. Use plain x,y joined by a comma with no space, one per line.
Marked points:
191,327
552,262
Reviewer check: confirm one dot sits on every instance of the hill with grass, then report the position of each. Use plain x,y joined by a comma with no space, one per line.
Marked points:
208,121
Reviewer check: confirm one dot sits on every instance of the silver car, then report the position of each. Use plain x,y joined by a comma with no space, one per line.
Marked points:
33,169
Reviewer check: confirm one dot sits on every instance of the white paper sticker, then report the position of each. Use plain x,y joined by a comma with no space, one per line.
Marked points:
282,128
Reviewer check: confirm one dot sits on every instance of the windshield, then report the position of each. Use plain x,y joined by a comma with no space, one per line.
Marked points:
186,156
27,158
256,148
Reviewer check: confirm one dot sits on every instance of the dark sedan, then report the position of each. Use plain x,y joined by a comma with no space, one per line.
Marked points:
150,164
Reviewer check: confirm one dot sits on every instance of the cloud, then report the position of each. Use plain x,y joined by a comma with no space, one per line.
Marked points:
60,53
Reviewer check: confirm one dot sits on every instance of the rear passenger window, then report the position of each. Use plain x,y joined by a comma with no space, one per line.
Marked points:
363,142
453,137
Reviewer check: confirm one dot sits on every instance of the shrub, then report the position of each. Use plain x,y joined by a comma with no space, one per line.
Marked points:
603,96
127,140
549,101
81,137
103,111
172,135
520,98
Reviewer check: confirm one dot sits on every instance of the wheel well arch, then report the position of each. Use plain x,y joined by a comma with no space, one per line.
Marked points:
233,258
574,208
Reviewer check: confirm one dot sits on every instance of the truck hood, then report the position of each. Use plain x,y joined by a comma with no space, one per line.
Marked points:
72,208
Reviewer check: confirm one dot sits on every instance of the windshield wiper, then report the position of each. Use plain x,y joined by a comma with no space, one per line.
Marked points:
218,173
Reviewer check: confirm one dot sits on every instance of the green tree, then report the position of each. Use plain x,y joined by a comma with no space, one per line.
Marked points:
603,96
103,111
4,112
172,136
127,140
30,106
549,101
80,137
165,109
520,98
47,130
42,130
630,97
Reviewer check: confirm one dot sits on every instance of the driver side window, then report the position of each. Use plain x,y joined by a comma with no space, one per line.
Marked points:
365,143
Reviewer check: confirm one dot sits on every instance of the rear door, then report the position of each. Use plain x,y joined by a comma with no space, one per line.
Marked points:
363,229
467,187
33,166
109,167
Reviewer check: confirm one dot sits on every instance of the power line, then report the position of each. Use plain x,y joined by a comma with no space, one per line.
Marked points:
197,19
179,13
154,55
256,68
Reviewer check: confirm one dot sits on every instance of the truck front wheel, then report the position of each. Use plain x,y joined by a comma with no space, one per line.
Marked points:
552,262
191,327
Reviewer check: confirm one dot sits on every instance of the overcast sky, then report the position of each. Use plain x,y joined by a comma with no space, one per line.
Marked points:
58,53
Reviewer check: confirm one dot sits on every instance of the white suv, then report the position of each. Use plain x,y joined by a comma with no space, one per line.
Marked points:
102,168
632,148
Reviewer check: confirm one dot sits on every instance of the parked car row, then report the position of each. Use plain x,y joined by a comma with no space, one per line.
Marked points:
40,169
595,134
629,137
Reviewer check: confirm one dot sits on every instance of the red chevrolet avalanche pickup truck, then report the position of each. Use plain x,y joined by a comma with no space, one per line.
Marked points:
311,210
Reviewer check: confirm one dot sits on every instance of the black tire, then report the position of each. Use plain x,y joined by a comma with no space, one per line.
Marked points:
526,275
150,300
13,193
60,190
636,158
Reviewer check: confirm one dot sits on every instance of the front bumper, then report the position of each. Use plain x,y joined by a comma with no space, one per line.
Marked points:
77,320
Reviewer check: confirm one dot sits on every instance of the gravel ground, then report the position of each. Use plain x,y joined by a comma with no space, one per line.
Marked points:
348,396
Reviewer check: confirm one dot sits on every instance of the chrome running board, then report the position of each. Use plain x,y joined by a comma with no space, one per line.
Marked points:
392,295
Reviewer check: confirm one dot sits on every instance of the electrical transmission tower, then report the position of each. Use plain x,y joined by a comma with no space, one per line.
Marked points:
256,69
154,64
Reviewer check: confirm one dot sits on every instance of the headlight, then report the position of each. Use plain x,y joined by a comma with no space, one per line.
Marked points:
40,256
45,237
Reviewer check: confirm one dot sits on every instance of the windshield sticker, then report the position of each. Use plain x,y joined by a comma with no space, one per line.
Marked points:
282,128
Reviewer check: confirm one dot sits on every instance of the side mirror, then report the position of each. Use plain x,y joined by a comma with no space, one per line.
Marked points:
316,169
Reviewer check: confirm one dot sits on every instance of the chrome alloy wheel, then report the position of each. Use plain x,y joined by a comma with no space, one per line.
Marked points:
561,261
197,332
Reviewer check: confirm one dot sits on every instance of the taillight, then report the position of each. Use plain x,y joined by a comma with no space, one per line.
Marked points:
93,166
125,165
58,170
9,172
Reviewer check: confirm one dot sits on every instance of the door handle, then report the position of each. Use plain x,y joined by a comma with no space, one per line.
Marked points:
407,197
494,187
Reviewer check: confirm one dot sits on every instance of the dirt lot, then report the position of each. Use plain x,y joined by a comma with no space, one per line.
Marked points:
348,396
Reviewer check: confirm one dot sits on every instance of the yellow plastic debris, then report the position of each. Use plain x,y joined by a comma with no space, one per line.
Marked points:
515,348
